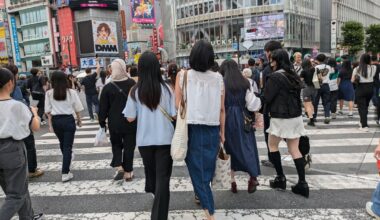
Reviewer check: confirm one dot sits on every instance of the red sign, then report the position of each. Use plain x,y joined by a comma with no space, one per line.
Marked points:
67,34
155,40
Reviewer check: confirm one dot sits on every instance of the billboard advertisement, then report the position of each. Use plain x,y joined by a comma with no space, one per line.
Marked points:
81,4
105,36
62,3
66,32
143,11
3,45
264,27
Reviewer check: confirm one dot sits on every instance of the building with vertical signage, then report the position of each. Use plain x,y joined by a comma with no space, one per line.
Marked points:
225,22
89,28
336,12
31,30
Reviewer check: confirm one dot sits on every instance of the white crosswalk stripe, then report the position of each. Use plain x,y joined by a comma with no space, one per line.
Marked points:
93,179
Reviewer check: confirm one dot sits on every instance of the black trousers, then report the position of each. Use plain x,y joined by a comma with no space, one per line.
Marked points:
333,100
123,149
41,107
31,153
363,95
158,166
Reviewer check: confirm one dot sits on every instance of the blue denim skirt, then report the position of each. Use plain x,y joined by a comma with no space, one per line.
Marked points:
203,147
376,200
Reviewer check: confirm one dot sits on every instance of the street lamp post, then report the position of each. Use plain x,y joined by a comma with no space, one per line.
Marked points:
301,38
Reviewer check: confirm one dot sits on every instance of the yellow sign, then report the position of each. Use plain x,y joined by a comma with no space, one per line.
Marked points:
3,60
136,58
2,32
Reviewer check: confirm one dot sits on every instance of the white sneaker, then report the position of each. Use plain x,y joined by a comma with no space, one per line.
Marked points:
340,112
67,177
92,120
333,115
365,129
368,207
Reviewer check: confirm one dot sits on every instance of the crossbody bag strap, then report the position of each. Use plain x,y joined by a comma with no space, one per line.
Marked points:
120,90
165,113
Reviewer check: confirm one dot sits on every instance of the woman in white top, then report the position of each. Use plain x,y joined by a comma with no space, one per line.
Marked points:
363,76
205,117
101,82
17,121
60,105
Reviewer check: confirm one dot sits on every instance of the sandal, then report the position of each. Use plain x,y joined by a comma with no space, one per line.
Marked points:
130,178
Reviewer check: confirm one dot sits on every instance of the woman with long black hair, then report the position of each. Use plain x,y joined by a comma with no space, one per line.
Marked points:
152,101
282,101
346,89
363,76
101,81
240,103
60,105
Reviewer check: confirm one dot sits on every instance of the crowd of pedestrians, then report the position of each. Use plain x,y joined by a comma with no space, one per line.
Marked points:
138,107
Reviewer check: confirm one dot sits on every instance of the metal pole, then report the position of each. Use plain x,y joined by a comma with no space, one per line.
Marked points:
301,37
68,47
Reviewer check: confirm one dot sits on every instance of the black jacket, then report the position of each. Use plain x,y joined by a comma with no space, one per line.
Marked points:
281,97
111,105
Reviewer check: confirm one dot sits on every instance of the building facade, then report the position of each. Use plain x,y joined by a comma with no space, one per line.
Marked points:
89,29
244,26
336,12
30,24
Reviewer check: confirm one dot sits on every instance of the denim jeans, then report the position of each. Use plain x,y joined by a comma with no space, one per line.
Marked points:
376,200
203,147
31,153
64,128
324,93
92,100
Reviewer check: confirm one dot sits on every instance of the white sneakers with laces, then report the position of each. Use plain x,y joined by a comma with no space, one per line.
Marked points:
368,207
67,177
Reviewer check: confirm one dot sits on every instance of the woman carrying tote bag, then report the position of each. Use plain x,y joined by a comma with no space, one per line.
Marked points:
205,117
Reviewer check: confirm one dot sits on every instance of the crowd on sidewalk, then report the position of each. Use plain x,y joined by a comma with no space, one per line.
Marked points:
209,109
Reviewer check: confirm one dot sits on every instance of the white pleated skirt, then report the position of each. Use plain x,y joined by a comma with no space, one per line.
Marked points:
289,128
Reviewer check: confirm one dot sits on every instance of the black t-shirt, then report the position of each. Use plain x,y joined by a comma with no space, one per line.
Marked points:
36,83
307,76
344,74
89,83
112,104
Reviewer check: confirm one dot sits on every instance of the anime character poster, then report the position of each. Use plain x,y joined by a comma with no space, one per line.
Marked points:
105,36
143,11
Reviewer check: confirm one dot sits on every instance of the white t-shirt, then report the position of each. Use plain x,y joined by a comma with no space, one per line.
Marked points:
371,70
15,120
326,78
69,106
204,91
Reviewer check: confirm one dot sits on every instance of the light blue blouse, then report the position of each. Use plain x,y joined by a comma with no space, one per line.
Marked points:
153,128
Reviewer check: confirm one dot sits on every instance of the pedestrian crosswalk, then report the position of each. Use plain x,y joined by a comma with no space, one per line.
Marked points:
342,178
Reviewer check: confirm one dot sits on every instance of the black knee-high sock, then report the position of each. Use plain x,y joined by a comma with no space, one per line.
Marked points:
276,160
300,166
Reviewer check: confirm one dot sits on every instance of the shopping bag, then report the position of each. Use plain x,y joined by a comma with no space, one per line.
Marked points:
178,149
222,177
315,80
101,139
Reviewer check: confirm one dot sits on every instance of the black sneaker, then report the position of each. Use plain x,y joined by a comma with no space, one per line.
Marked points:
278,183
327,120
301,188
311,123
38,216
267,163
